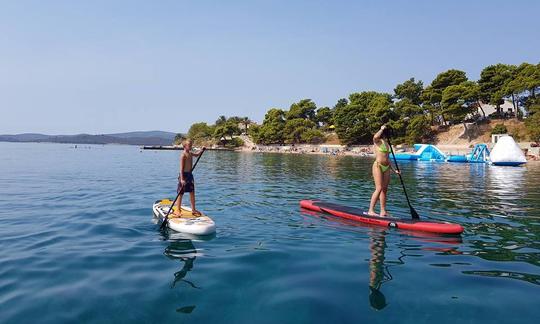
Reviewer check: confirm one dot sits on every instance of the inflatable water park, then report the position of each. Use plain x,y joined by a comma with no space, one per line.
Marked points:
506,152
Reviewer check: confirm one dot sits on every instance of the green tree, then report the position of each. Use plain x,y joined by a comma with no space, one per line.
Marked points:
221,120
228,129
499,129
325,116
491,83
525,80
458,101
529,77
271,130
234,142
533,126
303,109
253,132
410,90
405,108
533,121
432,95
295,128
246,122
200,131
312,136
448,78
419,130
341,103
366,112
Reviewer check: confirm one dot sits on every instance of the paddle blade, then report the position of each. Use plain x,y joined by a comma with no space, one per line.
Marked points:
414,214
164,223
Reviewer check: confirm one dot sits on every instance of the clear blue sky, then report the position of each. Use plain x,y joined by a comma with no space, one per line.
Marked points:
70,67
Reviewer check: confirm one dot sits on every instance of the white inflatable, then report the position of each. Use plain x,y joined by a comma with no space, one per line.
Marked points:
507,152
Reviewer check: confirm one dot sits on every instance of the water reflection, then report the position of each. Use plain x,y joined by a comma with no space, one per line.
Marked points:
379,266
181,248
527,277
410,244
378,271
504,183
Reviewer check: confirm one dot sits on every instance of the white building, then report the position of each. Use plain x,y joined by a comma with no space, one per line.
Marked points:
506,107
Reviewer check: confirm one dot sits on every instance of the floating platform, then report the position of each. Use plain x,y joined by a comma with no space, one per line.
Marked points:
423,152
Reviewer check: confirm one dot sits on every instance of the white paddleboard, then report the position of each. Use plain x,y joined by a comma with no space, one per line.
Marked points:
187,223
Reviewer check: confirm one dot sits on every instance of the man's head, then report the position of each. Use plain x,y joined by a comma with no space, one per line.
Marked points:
187,143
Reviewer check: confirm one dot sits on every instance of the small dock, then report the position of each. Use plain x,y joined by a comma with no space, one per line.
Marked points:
180,148
162,147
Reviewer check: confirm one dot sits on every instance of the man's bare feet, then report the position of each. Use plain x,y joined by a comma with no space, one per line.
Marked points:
196,212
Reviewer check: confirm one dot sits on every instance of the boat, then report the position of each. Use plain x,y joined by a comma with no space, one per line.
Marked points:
359,215
187,223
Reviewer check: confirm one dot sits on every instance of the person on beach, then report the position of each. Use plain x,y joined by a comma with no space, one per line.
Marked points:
381,172
186,182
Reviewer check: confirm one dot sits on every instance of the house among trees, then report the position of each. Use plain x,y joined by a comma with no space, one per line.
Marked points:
504,110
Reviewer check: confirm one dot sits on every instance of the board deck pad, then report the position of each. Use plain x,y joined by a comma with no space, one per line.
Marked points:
185,212
357,211
359,215
185,223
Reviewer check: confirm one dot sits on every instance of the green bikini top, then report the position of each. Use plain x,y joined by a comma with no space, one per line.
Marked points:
383,148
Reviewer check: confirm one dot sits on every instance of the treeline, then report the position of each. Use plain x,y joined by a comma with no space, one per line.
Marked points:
224,132
412,110
302,123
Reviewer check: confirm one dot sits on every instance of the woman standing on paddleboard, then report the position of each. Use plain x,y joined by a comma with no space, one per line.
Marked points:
381,172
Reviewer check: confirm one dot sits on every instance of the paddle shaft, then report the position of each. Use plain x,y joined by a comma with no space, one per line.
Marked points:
166,219
414,214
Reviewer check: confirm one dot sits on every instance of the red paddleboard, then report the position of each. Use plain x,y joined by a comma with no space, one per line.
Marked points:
359,215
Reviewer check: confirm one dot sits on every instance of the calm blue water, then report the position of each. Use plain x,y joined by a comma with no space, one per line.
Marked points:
78,242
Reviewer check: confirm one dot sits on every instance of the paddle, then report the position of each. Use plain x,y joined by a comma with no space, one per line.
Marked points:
166,219
414,214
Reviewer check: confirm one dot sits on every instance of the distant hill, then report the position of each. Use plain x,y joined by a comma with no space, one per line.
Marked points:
130,138
147,134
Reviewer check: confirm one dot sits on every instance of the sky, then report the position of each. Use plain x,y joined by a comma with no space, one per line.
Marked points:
70,67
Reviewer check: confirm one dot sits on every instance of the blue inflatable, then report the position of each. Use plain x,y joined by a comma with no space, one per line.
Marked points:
457,158
423,152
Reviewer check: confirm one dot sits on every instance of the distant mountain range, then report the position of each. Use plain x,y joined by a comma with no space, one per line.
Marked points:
131,138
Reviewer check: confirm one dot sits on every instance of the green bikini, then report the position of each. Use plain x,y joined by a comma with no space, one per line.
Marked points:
383,149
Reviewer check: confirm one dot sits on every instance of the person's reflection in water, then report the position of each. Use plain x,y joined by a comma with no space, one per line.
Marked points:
378,272
185,251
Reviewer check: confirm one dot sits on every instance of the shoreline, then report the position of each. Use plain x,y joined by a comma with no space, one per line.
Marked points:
365,150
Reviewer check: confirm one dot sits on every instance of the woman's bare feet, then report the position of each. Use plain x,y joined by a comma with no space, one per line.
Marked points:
372,213
196,213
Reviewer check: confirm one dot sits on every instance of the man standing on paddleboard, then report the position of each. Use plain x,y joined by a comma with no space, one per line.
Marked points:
381,171
186,182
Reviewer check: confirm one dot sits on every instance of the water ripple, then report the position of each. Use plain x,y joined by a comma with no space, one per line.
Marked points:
79,242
